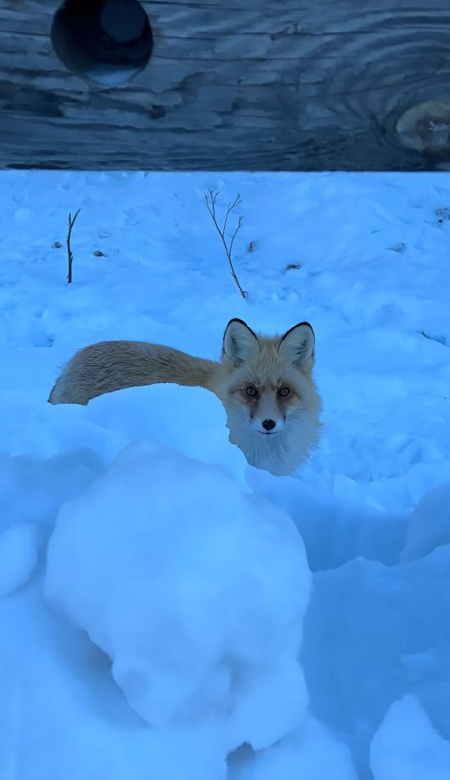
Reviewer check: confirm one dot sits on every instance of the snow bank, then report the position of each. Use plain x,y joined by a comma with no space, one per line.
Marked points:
190,420
382,635
407,746
195,591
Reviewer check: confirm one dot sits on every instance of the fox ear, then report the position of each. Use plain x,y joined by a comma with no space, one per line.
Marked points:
297,345
239,342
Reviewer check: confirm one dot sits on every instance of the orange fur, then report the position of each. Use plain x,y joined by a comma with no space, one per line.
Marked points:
267,365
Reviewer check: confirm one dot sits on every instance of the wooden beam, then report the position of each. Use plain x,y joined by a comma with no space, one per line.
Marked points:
257,85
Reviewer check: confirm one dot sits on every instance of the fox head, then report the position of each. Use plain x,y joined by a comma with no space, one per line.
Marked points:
269,395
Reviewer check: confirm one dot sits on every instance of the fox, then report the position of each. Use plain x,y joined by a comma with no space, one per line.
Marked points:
265,384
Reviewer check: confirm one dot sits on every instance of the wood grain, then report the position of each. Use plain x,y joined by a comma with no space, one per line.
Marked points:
231,85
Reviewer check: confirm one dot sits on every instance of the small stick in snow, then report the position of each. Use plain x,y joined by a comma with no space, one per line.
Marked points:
69,251
210,200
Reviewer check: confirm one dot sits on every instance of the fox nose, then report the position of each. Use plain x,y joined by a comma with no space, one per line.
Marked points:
269,425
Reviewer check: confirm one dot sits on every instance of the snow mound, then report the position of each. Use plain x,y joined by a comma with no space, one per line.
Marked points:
190,420
194,590
407,746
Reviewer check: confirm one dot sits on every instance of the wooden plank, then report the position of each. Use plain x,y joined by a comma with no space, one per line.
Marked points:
261,85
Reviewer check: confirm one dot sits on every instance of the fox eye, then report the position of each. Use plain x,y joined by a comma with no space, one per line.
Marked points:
284,391
251,391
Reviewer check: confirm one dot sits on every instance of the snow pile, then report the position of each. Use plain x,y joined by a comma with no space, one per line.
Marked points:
194,590
407,746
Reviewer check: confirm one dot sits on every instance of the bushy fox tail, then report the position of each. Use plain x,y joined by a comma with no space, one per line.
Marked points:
113,365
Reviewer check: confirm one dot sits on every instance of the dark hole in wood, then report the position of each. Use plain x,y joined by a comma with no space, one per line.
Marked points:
106,41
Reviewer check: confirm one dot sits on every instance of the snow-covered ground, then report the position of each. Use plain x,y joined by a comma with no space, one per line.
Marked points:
166,611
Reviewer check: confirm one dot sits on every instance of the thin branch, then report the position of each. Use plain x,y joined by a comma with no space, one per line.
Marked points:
211,200
69,250
239,225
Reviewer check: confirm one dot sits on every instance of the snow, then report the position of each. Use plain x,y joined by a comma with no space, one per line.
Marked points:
311,752
18,557
167,611
429,526
198,603
407,745
383,632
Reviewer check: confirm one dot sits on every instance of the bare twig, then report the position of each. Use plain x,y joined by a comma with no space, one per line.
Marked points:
69,251
211,200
